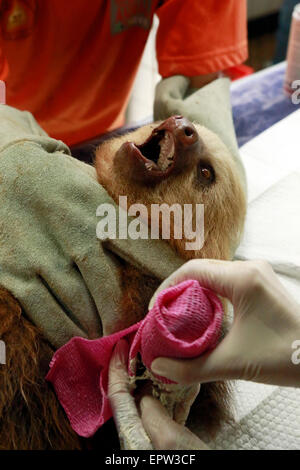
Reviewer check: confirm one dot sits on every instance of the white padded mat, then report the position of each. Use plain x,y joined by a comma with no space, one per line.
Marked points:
272,155
272,228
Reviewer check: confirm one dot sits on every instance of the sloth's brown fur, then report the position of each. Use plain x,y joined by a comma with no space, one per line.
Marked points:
30,415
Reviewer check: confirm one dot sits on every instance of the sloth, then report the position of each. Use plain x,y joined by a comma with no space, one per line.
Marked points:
172,162
178,162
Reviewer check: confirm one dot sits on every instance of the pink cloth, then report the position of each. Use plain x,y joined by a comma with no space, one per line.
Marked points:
184,323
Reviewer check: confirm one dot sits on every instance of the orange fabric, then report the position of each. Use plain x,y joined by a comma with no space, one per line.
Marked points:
72,63
198,37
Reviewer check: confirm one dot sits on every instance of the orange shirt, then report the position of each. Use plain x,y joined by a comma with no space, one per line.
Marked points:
72,62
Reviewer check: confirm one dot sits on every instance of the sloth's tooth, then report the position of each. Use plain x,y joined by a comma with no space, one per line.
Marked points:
166,153
149,165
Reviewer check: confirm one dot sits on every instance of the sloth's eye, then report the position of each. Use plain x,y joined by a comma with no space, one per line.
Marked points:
206,174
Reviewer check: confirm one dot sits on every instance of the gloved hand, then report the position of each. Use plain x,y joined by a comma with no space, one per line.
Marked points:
209,106
260,345
147,425
2,92
66,279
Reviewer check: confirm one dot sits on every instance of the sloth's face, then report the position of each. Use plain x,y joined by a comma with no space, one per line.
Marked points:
178,162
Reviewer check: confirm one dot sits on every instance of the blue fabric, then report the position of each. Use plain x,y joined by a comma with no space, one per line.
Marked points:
258,102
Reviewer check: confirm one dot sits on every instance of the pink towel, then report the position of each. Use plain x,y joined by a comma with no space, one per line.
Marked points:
184,323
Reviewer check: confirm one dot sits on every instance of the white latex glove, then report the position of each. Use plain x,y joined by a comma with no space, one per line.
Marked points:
150,427
260,345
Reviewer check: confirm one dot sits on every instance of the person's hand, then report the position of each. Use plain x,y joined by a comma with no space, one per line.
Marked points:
266,327
146,425
66,279
209,106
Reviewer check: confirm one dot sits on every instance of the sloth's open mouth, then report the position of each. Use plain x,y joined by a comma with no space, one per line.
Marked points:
158,151
171,147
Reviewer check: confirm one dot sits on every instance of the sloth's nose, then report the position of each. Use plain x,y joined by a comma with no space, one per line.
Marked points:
182,129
